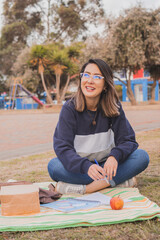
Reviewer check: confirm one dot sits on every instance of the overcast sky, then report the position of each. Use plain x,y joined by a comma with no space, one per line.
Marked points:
114,6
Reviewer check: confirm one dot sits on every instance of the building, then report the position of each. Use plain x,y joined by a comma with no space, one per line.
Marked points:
141,86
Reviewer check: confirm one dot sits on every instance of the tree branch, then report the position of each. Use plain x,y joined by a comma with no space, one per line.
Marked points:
120,80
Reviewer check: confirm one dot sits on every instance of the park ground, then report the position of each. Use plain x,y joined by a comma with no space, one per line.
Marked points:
28,132
34,169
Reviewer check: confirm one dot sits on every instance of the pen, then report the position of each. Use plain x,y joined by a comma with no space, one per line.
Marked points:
104,177
96,162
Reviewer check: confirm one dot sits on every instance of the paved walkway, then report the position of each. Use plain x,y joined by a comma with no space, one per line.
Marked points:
28,133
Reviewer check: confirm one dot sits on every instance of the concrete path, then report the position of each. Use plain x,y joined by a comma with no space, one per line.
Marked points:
28,133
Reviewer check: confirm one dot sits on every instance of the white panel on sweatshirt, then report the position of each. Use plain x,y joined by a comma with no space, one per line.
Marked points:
94,142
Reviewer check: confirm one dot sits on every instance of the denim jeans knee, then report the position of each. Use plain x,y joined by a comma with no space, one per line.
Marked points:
51,168
144,158
58,173
132,166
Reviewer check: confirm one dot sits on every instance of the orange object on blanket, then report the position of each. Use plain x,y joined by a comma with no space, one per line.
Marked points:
11,184
19,200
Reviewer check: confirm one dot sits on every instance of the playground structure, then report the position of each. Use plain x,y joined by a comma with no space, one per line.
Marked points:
22,102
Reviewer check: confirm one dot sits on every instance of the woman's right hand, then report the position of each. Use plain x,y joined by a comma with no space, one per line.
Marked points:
96,172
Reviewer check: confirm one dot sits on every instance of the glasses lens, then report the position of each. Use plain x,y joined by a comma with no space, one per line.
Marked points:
86,75
97,77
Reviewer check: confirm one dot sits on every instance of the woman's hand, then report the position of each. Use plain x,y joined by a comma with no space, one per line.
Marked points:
110,167
96,172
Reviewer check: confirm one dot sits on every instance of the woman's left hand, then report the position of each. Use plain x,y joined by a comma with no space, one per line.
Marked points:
110,167
96,172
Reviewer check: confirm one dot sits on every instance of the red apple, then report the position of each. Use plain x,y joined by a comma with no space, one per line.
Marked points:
116,203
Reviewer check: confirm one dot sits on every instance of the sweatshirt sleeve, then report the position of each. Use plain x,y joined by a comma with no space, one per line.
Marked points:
64,142
124,137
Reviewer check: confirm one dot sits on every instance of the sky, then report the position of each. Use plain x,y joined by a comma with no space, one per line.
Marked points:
114,7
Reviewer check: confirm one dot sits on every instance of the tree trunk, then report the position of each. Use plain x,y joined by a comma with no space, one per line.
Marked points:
48,20
49,99
58,88
153,90
120,80
130,92
65,88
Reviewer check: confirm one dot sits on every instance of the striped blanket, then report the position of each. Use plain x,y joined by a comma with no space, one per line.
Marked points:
139,208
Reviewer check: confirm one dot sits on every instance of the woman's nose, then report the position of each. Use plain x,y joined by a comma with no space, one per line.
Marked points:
90,79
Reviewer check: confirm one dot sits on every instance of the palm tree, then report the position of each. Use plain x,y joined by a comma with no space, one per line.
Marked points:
73,53
59,62
65,59
39,59
58,69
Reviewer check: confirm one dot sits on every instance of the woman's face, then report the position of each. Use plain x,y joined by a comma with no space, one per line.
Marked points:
91,82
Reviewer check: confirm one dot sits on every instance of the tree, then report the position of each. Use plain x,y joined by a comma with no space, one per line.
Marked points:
95,47
39,59
31,79
62,21
125,49
154,71
133,42
21,18
64,60
152,48
74,52
58,69
3,87
71,18
48,19
53,61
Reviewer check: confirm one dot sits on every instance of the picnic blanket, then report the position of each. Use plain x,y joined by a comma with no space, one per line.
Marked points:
139,208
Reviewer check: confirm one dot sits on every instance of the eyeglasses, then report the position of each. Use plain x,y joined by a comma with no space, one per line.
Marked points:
87,76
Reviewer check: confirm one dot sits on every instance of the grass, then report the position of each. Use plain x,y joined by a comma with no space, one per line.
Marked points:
34,169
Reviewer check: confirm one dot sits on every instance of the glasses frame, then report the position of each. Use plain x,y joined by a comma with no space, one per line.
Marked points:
90,75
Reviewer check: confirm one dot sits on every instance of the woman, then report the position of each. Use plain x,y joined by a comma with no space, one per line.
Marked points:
93,140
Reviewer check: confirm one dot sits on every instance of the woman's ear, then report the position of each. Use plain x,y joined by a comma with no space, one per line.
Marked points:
105,89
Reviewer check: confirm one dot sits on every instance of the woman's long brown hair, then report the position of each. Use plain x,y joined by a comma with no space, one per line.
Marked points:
108,102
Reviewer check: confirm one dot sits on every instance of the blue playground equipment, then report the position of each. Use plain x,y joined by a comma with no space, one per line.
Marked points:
2,102
22,102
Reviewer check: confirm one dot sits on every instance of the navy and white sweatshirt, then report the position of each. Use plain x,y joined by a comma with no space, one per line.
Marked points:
77,142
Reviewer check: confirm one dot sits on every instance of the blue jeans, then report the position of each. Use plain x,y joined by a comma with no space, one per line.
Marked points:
134,164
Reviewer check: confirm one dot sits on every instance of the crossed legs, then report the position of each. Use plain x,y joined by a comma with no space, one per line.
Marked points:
134,164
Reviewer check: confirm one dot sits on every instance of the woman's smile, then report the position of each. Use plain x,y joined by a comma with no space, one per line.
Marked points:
90,89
